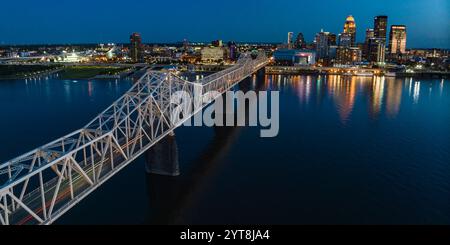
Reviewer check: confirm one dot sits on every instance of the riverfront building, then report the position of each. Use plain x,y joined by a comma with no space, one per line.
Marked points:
294,57
376,50
322,44
212,54
397,39
380,26
348,55
350,28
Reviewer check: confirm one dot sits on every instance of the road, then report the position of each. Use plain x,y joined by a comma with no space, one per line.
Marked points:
33,199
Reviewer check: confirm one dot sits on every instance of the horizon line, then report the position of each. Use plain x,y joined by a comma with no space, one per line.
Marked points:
177,42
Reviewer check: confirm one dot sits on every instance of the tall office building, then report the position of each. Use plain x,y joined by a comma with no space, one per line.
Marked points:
300,41
376,50
332,39
217,43
348,55
332,52
185,44
322,44
369,34
290,39
350,28
136,47
397,39
345,40
232,50
380,26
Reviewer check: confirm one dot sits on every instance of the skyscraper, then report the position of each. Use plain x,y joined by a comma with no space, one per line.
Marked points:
185,44
136,47
290,39
397,39
376,50
332,39
380,26
300,41
369,34
232,50
322,44
217,43
350,28
345,40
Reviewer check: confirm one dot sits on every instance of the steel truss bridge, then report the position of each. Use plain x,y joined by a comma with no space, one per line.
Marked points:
41,185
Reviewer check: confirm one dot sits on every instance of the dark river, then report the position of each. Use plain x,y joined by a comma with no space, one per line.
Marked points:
350,150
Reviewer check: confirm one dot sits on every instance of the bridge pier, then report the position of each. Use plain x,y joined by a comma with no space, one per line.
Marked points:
227,113
170,196
231,107
162,158
254,82
260,74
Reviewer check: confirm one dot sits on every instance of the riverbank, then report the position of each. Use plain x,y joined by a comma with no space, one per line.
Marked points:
14,72
353,71
202,68
93,72
11,72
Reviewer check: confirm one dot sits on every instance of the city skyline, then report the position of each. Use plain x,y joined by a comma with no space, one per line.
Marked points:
262,21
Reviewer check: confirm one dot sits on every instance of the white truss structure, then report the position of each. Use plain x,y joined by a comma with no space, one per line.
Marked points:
41,185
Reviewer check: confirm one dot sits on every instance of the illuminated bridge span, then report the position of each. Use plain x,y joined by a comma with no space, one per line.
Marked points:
41,185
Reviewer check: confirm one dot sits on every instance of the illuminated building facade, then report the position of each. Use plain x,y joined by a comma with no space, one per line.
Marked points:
345,40
348,55
136,47
376,52
332,39
294,57
380,26
397,39
232,51
350,28
322,44
290,39
217,43
212,54
369,35
300,41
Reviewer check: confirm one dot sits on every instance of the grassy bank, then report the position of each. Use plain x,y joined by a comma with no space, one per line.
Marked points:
86,72
23,71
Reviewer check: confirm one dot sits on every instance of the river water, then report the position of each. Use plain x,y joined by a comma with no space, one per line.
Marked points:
350,150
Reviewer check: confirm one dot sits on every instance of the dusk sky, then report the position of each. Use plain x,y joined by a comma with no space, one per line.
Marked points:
89,21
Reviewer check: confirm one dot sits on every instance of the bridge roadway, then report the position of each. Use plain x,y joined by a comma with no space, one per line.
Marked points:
41,185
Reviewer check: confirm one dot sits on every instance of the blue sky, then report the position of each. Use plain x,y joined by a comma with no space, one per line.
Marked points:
92,21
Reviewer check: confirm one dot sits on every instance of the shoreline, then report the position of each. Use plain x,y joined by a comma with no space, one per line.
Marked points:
65,72
38,74
350,71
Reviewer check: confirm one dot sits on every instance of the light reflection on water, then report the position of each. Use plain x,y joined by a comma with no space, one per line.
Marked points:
383,94
350,150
